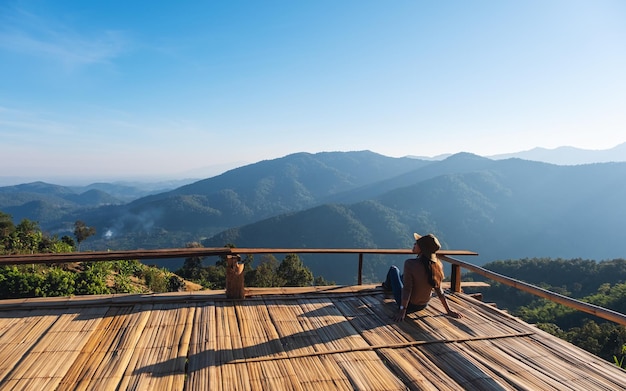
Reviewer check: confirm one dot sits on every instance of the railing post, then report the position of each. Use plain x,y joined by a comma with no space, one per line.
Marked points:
360,274
234,277
455,278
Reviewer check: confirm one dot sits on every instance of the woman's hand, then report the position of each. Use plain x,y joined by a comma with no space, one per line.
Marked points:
454,314
400,315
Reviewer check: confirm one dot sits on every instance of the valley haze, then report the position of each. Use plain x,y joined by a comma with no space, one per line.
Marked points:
507,208
108,91
564,155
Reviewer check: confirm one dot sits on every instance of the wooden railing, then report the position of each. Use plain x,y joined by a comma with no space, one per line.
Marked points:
201,252
445,255
455,286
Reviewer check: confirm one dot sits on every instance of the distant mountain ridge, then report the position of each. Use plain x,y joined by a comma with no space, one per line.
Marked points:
44,202
503,209
564,155
569,155
253,192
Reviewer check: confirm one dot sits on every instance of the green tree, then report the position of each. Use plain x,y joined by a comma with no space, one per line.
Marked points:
161,280
321,281
293,271
82,232
16,282
214,277
57,282
618,359
126,269
6,229
68,240
175,283
93,278
265,274
54,245
26,238
192,268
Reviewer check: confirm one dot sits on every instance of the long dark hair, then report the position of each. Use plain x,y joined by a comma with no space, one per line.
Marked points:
429,245
434,269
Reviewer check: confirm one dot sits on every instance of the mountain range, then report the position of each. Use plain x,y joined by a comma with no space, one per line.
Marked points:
501,208
563,155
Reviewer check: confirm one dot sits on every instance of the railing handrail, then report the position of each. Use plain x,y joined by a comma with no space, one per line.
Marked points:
111,255
52,258
193,252
593,309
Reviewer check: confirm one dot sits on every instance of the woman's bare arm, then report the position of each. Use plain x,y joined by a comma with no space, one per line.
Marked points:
442,297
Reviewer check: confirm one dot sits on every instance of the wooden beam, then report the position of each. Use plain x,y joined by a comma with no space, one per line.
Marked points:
455,279
93,256
598,311
111,255
234,277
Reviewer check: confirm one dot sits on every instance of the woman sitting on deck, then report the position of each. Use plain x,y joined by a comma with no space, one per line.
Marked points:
413,288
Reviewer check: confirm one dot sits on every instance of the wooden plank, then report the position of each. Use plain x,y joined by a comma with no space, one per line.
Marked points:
49,359
19,334
299,336
374,329
202,369
455,278
229,347
317,340
105,357
95,256
110,255
359,368
461,368
416,370
319,373
159,358
505,362
336,333
333,329
261,340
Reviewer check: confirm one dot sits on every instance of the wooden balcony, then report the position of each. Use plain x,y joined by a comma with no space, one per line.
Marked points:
318,338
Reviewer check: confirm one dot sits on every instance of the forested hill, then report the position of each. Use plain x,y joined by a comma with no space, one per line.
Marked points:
600,283
49,203
243,195
503,209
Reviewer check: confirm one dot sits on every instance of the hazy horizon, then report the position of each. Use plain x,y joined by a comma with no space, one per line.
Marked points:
133,89
210,171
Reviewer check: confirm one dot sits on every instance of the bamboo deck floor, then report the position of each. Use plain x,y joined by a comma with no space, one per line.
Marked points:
332,338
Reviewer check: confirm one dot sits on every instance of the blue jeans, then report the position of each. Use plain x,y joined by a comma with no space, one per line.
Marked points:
394,282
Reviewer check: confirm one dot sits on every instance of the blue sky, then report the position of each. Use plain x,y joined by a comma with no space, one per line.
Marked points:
128,89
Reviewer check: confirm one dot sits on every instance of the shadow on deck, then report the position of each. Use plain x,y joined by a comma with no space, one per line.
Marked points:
323,338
